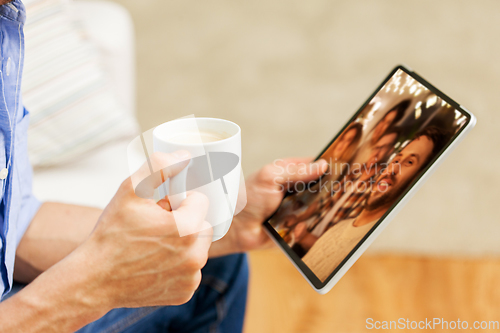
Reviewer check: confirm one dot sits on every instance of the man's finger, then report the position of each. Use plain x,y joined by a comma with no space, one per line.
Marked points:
156,170
190,216
294,170
165,204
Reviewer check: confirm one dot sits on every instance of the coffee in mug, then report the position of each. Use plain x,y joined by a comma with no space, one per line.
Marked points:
193,137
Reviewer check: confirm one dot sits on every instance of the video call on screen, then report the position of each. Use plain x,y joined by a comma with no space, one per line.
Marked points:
377,157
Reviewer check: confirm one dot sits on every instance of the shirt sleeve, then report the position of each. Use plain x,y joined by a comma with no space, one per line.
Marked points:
31,205
27,204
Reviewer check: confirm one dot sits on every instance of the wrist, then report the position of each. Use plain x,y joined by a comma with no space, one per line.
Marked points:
90,283
77,286
62,299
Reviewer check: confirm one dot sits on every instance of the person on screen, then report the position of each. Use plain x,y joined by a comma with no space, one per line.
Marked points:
344,148
287,227
391,118
349,195
340,155
384,125
331,249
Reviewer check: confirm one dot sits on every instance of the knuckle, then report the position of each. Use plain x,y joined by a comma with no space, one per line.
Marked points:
157,156
190,284
267,173
202,259
176,301
197,259
183,299
126,186
160,160
194,263
267,170
200,198
195,281
188,297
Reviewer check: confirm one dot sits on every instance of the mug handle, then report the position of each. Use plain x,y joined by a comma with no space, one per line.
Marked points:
177,186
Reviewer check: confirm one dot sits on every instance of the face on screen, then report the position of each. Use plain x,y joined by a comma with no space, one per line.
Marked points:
372,163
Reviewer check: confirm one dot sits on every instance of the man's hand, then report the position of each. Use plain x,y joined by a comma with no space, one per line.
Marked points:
137,253
134,257
265,190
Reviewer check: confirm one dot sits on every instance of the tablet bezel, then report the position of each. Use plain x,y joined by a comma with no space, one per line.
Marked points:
323,287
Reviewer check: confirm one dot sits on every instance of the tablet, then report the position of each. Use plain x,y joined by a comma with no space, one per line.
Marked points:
376,163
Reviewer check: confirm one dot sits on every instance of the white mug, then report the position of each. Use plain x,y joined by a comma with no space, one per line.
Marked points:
214,169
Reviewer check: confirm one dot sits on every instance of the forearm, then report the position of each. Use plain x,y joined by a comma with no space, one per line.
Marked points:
56,230
63,299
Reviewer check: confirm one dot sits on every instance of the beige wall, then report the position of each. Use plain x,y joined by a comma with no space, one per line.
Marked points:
292,72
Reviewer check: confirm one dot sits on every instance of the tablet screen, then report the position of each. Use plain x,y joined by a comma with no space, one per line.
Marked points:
376,158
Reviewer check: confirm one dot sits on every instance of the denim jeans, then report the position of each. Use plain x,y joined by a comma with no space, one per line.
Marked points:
217,306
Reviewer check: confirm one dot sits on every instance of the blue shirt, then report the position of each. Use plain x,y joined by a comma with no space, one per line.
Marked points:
17,205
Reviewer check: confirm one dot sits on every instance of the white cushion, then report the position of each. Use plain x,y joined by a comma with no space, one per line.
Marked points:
111,30
73,103
91,181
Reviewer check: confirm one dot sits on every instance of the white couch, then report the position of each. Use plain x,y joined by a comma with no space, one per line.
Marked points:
94,178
